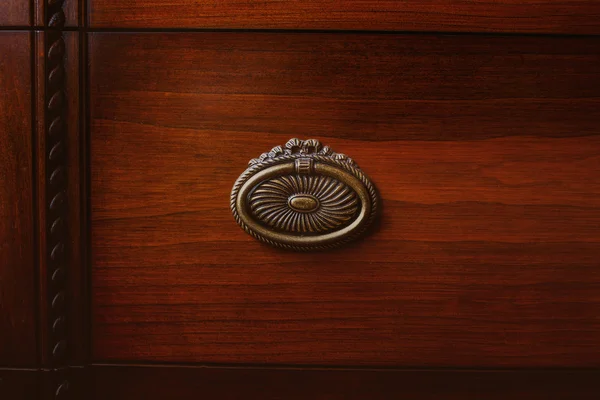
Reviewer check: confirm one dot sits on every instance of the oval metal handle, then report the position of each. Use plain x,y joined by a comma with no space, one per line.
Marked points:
303,196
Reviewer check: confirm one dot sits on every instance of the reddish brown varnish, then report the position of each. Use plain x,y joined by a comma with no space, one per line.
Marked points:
15,13
17,302
485,151
545,16
485,148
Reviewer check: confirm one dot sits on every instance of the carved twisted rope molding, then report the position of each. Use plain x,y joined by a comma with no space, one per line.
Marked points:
57,236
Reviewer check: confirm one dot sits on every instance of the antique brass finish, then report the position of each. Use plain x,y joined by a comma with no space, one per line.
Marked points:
303,196
304,203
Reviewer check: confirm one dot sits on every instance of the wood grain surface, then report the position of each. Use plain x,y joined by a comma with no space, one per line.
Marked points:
545,16
15,13
486,152
17,275
111,382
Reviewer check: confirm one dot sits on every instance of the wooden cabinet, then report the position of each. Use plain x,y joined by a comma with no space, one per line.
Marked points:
126,125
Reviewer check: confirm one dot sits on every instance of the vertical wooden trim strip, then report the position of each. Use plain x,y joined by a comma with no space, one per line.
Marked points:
55,14
40,182
57,206
56,179
72,10
77,277
39,7
72,13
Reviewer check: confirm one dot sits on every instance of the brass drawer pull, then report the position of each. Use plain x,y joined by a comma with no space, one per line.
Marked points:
303,196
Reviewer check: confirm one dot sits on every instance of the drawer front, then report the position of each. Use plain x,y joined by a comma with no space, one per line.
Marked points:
545,16
485,151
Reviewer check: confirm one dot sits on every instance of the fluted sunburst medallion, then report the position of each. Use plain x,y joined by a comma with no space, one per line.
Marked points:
303,196
304,204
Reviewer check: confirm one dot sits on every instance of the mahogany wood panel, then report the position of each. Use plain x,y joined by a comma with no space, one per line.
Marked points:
545,16
183,383
486,154
14,13
18,384
17,275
